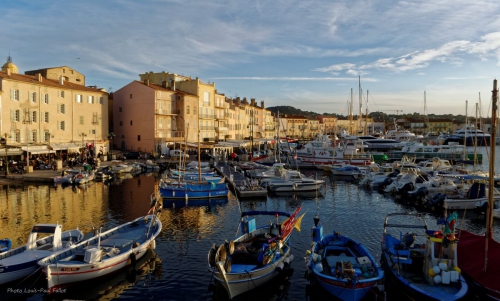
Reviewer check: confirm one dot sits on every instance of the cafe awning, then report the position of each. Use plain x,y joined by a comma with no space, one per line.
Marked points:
65,146
37,149
11,152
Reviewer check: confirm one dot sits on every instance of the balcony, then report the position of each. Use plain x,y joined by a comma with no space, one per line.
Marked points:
206,128
206,116
270,128
221,129
163,112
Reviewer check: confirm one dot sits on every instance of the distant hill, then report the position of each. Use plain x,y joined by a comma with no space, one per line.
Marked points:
292,111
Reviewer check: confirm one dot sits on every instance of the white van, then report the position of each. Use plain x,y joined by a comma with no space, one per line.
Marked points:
176,153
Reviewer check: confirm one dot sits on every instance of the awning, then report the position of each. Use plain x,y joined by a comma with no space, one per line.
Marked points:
65,146
11,152
37,149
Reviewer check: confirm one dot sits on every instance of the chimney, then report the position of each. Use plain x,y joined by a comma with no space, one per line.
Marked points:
252,102
164,84
61,80
262,104
146,82
39,77
173,85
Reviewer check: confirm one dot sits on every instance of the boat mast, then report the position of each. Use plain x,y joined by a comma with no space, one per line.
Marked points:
360,103
350,115
425,114
199,158
366,115
489,216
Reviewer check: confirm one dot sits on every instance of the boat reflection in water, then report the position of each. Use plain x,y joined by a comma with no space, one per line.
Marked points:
179,203
147,268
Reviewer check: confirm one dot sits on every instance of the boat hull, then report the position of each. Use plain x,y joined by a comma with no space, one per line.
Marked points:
195,192
239,283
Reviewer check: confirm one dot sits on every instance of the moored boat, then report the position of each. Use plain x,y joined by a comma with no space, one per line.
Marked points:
44,240
427,270
341,265
257,255
5,244
103,254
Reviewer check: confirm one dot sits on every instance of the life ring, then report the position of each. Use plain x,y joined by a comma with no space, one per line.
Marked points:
230,247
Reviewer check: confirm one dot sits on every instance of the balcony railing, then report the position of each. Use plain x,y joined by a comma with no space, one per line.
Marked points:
163,112
221,129
206,116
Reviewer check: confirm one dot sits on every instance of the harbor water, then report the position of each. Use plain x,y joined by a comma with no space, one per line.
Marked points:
177,270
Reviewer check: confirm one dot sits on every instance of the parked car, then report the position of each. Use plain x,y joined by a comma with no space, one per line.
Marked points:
133,155
176,153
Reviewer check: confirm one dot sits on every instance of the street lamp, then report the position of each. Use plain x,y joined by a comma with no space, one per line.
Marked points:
110,138
3,141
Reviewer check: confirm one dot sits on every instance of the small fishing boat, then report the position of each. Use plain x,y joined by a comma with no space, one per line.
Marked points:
184,190
257,255
341,265
346,171
292,181
44,240
5,244
427,270
103,254
84,177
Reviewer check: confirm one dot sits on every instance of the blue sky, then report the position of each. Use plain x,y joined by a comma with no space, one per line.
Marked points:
306,54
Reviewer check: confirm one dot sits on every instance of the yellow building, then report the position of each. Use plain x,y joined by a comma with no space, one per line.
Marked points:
51,108
206,96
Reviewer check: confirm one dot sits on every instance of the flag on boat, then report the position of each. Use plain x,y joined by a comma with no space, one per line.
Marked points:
289,224
298,222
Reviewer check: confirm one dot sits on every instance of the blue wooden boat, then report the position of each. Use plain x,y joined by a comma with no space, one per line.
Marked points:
341,265
5,244
193,190
422,265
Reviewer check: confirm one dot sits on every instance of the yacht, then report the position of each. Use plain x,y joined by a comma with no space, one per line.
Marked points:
469,135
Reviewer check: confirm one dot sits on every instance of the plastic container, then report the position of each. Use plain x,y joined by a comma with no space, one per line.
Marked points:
445,277
454,276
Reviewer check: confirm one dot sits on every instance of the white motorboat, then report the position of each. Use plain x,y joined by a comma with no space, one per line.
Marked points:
293,181
103,254
44,240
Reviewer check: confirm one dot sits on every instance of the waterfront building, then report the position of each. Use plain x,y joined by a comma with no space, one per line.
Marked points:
51,109
167,116
329,124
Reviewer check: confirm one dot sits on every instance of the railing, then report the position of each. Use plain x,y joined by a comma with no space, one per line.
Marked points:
207,116
163,112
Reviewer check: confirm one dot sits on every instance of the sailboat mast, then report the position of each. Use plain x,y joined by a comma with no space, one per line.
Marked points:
360,103
350,115
366,115
199,158
489,216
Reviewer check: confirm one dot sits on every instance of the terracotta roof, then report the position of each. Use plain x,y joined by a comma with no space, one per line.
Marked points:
161,88
46,82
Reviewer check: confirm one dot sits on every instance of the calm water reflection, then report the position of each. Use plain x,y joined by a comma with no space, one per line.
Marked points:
179,270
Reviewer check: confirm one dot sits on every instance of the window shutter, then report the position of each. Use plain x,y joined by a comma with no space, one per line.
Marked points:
12,115
48,116
20,95
48,98
12,94
58,108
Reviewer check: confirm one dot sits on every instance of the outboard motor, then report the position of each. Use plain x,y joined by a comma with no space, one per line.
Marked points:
408,239
385,183
436,201
420,194
406,187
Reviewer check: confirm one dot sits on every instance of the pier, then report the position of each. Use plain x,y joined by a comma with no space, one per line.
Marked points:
238,183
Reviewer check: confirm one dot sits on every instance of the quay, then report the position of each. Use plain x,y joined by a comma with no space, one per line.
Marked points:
238,182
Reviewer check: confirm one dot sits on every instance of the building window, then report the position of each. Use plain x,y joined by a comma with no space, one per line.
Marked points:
46,117
34,114
160,122
187,110
194,110
93,132
15,94
62,108
101,100
206,98
119,109
62,126
78,98
16,115
130,96
46,98
121,123
91,99
33,136
46,136
138,137
81,120
32,96
61,94
130,122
